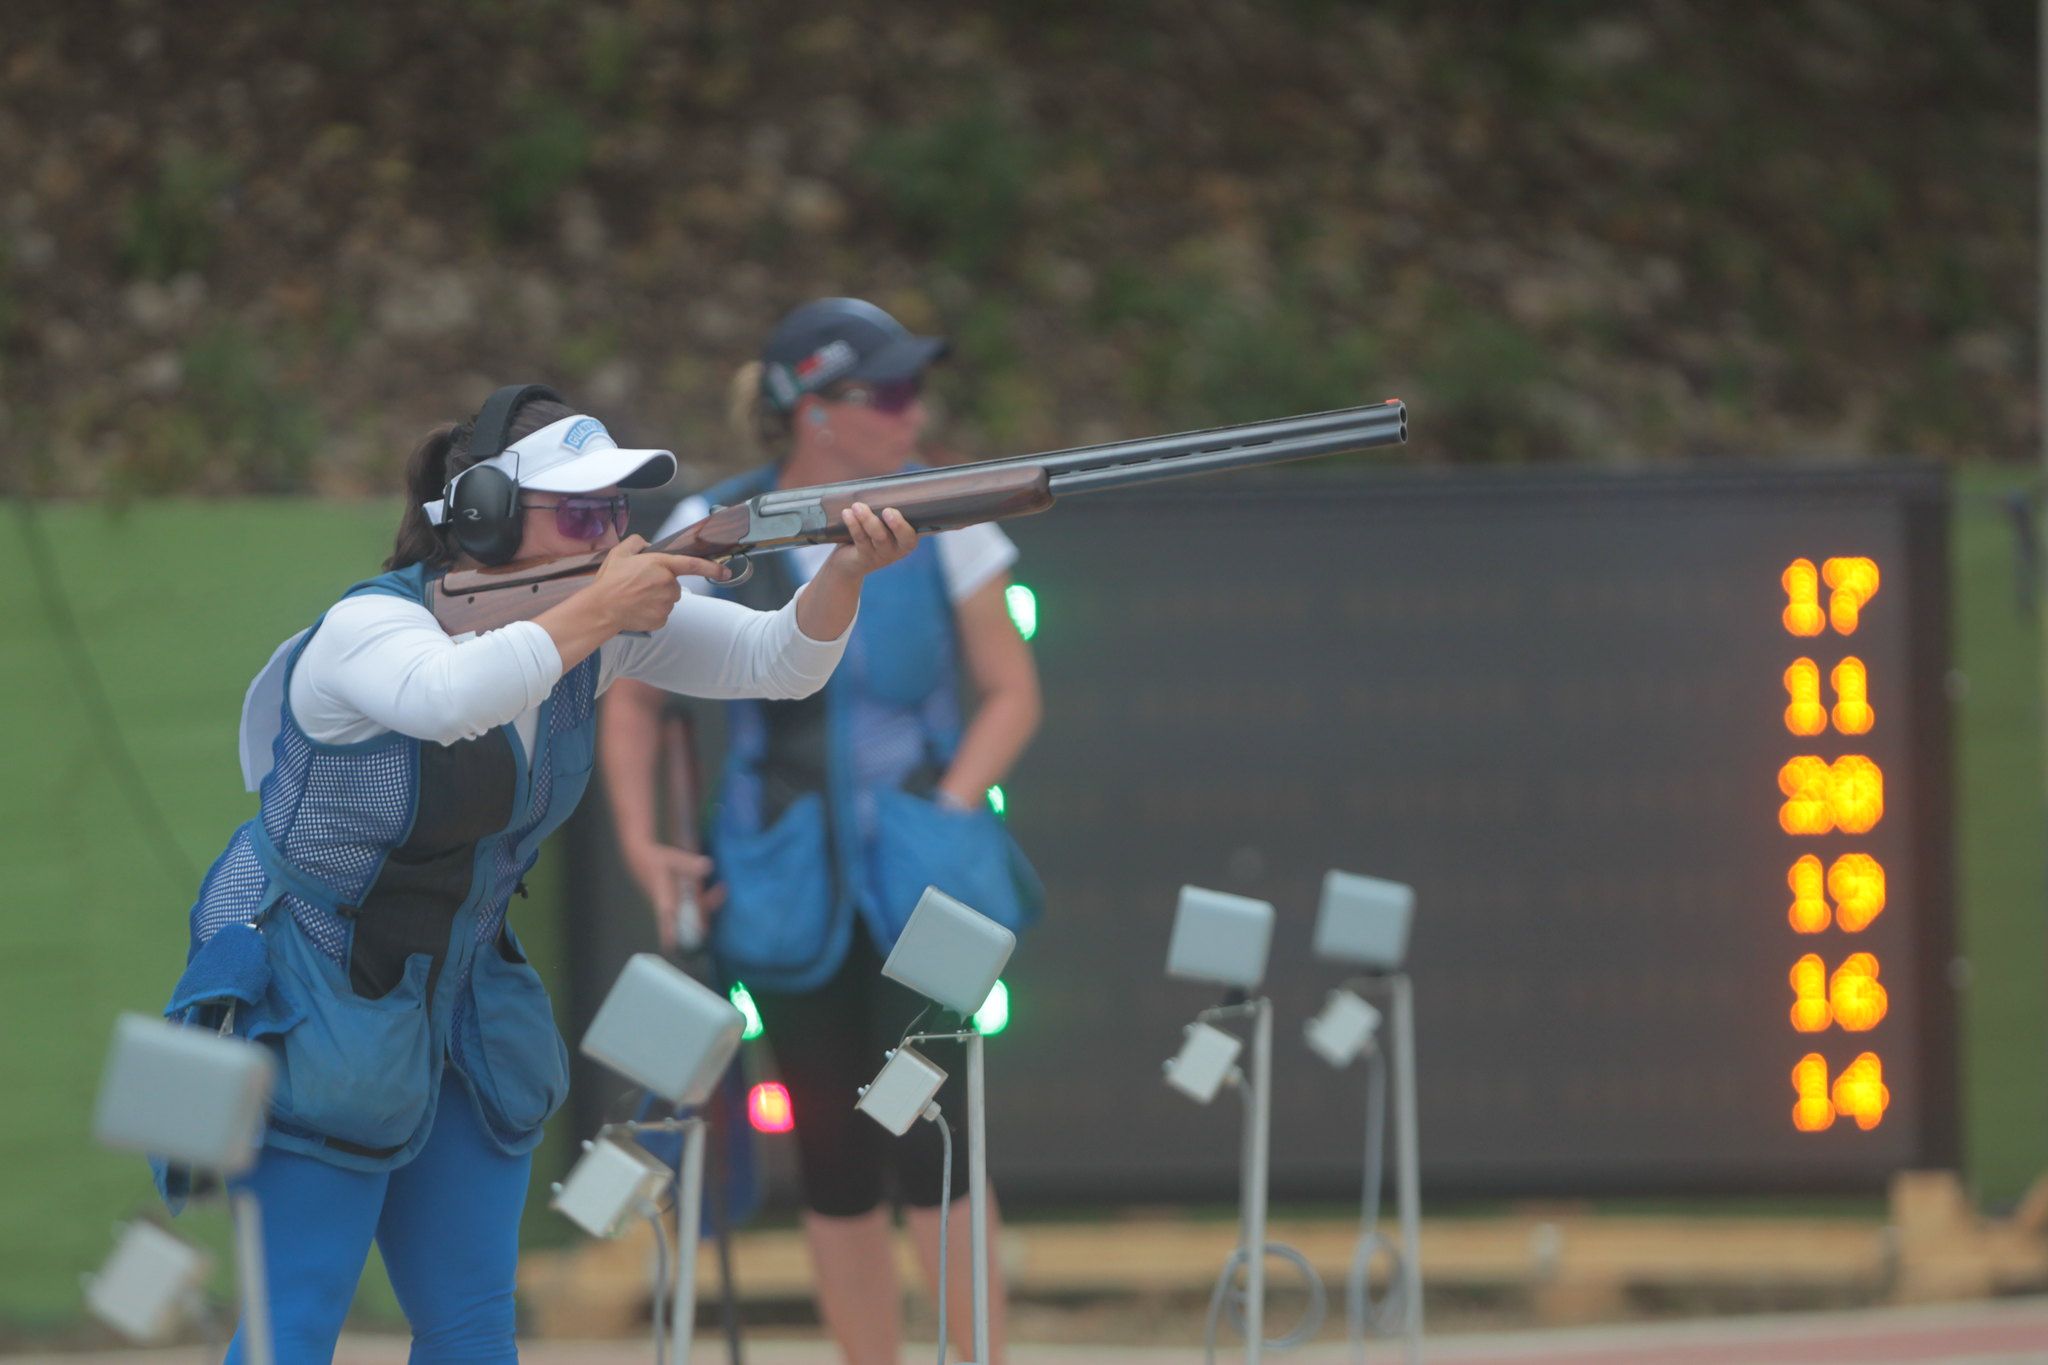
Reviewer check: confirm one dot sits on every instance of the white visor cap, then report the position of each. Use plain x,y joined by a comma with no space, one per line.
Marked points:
574,455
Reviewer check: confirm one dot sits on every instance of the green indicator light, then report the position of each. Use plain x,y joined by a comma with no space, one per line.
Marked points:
1023,605
998,803
994,1015
744,1003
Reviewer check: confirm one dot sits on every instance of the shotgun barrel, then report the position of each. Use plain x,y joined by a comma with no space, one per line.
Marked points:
1380,419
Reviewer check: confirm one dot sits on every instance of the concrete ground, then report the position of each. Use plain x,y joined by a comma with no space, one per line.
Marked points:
2011,1332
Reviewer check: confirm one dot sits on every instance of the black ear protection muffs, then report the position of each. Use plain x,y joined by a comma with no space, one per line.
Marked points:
483,503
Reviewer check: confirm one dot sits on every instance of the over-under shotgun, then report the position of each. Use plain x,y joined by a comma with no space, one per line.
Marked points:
930,499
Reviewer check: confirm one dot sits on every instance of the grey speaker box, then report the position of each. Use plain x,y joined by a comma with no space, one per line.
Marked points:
1220,938
1364,921
187,1095
950,952
662,1029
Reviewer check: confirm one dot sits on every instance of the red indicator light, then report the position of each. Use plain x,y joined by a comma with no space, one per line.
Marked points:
769,1109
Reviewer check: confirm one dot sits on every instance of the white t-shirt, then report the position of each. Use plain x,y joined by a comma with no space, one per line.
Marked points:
380,663
968,557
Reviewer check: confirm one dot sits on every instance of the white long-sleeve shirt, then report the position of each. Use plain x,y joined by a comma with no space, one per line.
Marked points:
380,663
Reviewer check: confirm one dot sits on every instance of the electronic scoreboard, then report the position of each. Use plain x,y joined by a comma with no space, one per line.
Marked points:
1664,754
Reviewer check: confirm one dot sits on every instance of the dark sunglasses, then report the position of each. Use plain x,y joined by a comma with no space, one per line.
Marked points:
883,395
584,518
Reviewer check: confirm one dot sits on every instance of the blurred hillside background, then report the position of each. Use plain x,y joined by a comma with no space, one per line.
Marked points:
261,246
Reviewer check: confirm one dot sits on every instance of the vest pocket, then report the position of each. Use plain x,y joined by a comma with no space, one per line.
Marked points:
522,1072
778,890
965,853
350,1068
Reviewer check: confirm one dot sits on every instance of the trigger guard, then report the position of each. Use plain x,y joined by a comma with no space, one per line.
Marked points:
745,571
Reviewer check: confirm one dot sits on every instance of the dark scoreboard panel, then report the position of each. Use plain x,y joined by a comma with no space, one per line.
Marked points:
1563,707
1664,756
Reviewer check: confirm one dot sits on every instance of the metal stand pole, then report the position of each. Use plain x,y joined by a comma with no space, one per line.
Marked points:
248,1218
977,1192
689,1213
1258,1122
1407,1176
721,1228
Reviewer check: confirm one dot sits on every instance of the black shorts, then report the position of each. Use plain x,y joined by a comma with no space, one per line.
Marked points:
828,1043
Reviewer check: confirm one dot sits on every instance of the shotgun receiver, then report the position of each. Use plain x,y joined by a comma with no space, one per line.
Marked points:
477,600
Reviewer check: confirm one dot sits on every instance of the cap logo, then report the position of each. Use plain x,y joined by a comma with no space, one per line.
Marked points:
584,431
834,357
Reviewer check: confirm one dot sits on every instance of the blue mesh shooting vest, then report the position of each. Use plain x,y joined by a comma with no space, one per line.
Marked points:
378,874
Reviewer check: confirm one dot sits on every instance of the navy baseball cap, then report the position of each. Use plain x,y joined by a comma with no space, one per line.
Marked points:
838,341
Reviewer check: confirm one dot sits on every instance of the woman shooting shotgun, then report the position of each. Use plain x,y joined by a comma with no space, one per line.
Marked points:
357,927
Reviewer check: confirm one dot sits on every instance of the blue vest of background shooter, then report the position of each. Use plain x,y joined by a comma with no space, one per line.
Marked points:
799,869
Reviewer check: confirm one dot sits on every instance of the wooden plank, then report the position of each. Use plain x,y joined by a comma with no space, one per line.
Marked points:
1568,1263
1571,1267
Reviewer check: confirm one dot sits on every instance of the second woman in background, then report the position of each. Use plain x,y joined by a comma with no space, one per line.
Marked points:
836,811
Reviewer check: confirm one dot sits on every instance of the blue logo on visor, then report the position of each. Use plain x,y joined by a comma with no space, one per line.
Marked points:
579,435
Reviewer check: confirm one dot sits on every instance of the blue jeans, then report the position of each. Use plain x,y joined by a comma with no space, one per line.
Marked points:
447,1223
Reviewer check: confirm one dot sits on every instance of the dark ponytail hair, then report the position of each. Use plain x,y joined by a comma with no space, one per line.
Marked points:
442,455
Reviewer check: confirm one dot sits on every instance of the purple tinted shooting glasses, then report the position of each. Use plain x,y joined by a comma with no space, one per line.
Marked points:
584,518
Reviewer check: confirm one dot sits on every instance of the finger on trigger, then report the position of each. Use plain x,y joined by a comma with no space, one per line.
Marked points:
682,564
